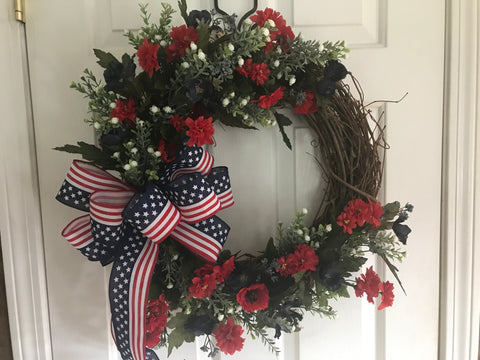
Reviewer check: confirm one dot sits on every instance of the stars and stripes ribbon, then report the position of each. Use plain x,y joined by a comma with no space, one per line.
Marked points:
125,227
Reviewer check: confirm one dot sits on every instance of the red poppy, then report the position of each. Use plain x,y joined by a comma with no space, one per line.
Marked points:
386,288
309,105
368,283
178,122
252,298
202,287
306,258
267,101
182,37
156,320
124,111
147,56
347,221
200,131
288,265
228,336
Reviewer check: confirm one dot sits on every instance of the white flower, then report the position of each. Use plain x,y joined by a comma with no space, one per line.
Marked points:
185,65
232,94
230,47
188,311
279,76
134,150
157,154
307,238
328,228
154,109
225,102
116,155
300,36
304,211
158,37
130,144
114,120
321,47
271,23
230,310
126,167
169,286
163,43
244,102
241,61
245,117
113,106
220,317
279,50
133,163
175,257
201,55
276,63
193,46
150,150
292,80
268,39
265,32
97,125
140,122
299,232
168,109
248,22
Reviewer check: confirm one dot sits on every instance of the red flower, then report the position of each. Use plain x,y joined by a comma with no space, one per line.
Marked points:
156,320
257,72
288,265
267,101
306,258
221,272
359,209
309,105
386,289
182,37
178,122
124,111
147,56
228,336
246,68
375,212
202,287
254,297
369,284
167,150
347,221
283,31
200,131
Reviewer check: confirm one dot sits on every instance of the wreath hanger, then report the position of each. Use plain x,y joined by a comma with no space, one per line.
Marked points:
244,17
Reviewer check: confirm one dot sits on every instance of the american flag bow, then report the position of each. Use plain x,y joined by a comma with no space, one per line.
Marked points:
125,227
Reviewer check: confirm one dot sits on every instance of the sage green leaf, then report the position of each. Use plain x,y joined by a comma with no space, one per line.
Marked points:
104,58
90,153
283,121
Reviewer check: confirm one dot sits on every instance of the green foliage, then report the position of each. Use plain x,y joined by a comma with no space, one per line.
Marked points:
90,153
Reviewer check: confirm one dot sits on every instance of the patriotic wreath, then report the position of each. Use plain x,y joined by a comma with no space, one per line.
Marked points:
171,281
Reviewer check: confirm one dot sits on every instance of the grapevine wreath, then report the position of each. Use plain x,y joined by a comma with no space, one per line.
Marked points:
157,222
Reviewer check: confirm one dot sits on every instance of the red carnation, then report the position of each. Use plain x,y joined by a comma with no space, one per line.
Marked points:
147,56
124,111
386,288
228,336
252,298
288,265
167,150
347,221
178,122
359,209
200,131
309,105
202,287
182,37
226,269
245,68
267,101
283,31
368,283
375,212
306,258
259,73
156,320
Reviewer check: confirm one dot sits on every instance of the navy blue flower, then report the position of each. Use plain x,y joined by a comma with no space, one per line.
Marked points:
197,16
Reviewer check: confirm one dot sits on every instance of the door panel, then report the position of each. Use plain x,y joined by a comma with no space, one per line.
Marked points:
394,50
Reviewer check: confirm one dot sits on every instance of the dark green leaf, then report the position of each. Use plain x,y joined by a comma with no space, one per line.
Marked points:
393,270
271,250
283,121
179,335
104,58
182,6
90,153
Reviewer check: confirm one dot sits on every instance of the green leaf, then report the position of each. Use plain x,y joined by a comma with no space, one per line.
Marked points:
271,250
391,210
179,335
104,58
90,153
393,270
343,292
203,35
182,6
283,121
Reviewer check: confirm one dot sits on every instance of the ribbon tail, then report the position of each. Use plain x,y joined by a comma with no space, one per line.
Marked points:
128,292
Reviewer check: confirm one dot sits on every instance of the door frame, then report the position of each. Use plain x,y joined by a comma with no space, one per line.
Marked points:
20,216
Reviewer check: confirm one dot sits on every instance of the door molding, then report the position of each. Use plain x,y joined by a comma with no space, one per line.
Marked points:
20,219
460,258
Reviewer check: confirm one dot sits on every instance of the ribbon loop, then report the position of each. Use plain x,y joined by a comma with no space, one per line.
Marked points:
220,181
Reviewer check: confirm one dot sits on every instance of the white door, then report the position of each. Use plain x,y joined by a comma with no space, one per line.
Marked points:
397,47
